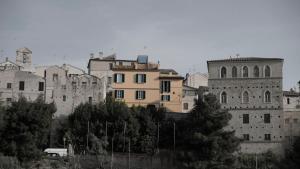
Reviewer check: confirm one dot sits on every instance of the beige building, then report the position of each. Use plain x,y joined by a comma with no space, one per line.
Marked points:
196,80
139,82
291,107
251,90
188,98
15,83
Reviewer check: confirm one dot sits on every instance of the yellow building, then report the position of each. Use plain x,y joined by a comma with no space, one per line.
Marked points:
139,82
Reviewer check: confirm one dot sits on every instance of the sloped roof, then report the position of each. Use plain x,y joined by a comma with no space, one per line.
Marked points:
24,49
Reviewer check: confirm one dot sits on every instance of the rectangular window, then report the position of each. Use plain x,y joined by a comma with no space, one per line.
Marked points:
55,77
41,86
84,84
267,118
140,95
90,100
165,86
295,120
165,97
8,99
119,94
185,106
140,78
109,80
21,85
246,118
64,98
287,121
267,137
246,137
8,85
119,78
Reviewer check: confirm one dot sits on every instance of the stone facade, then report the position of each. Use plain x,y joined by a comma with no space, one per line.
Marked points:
196,80
14,84
291,107
67,91
189,94
251,90
23,58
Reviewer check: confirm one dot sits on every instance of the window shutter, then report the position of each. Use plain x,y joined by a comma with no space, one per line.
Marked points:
136,78
144,94
123,77
115,78
144,78
115,93
136,94
122,93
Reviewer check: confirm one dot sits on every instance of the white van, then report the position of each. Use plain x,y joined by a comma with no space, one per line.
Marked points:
62,152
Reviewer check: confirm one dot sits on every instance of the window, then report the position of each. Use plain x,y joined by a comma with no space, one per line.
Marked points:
140,95
246,137
245,97
140,78
256,71
90,100
8,85
288,100
21,85
267,71
8,99
165,98
74,85
223,98
223,72
109,80
267,118
268,97
84,84
295,120
55,77
245,118
185,106
165,86
119,78
268,137
234,72
287,121
64,98
245,71
41,86
119,94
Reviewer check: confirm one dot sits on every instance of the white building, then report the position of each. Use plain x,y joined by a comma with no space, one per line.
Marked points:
196,80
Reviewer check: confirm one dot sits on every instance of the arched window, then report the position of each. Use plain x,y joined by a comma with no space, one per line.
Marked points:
234,71
245,97
223,72
268,97
267,71
245,71
256,71
223,97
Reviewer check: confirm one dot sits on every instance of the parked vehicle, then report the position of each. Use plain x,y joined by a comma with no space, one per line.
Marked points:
54,152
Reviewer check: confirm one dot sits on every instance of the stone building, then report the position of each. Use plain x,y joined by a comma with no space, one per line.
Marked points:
251,90
189,95
67,91
291,108
15,83
196,80
23,59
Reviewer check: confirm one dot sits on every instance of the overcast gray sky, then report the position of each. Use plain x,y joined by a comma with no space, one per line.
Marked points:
181,34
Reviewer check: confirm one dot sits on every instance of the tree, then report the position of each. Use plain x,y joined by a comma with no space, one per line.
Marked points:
205,143
27,127
292,158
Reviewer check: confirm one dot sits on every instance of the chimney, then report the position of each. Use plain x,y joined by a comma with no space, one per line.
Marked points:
6,59
100,55
91,55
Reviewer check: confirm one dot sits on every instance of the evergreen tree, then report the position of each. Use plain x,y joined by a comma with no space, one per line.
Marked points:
205,143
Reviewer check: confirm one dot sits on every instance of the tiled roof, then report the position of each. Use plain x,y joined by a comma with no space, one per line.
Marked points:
241,59
167,71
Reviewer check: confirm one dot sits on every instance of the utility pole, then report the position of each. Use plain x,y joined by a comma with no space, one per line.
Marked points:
112,152
157,143
256,161
87,136
124,137
106,130
129,155
174,136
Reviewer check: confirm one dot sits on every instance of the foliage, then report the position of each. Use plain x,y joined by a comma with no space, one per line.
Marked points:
26,130
266,160
204,143
292,157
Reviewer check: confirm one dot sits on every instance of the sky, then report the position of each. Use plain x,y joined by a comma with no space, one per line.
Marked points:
180,34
